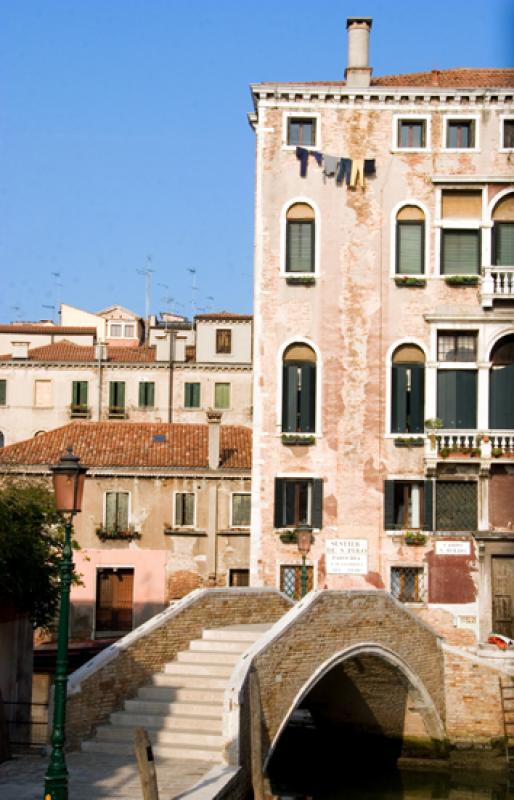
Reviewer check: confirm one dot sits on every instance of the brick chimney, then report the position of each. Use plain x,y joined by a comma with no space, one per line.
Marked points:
214,421
358,71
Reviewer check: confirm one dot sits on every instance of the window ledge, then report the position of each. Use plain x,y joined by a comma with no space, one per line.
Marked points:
300,279
235,532
414,441
411,150
410,281
298,439
183,532
461,280
121,536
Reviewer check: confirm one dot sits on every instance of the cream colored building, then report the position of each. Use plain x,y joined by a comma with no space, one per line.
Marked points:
384,297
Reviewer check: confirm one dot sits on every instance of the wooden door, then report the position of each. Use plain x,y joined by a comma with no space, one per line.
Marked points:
503,595
114,600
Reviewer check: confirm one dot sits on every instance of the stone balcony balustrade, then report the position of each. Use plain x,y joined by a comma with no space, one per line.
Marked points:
497,284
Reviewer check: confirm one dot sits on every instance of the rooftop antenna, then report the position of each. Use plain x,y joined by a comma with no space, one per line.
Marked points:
58,285
147,272
210,302
52,308
192,270
17,309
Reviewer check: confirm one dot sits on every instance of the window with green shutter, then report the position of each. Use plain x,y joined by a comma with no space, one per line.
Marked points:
79,395
300,246
116,397
298,502
299,389
191,395
222,395
116,511
503,244
501,385
184,510
3,392
146,394
460,252
457,398
408,390
410,239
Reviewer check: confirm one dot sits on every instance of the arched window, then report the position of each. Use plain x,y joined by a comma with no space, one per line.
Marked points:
503,232
410,241
501,385
299,389
300,238
408,390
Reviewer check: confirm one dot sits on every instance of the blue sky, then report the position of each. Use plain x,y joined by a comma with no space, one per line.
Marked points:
123,133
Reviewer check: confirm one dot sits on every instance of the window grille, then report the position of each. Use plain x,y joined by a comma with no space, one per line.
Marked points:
291,580
456,505
407,584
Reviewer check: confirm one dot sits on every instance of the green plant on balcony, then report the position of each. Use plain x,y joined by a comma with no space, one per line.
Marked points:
496,452
461,280
432,424
444,452
414,441
298,439
415,538
300,279
120,534
410,280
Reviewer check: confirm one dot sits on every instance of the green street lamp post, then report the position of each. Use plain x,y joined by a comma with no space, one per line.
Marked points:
68,478
304,541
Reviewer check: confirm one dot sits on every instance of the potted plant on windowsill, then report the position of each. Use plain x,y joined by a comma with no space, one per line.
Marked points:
410,280
415,538
111,534
117,412
413,441
298,439
287,536
300,279
79,410
461,280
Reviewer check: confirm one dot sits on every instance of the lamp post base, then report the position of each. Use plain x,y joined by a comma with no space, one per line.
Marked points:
56,786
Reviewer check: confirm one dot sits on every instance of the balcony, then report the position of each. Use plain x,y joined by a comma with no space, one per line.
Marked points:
469,445
497,284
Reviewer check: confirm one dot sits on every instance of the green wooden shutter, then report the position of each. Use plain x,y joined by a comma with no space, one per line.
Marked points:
121,395
289,397
308,398
466,399
142,395
75,393
279,503
409,248
122,511
428,503
317,503
179,516
195,395
501,397
446,397
460,252
389,520
417,399
222,395
503,242
399,399
3,392
300,246
110,510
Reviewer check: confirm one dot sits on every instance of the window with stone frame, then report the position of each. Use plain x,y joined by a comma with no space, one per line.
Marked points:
116,518
298,501
241,503
3,392
408,505
456,505
184,515
508,134
407,584
460,134
457,346
223,340
300,239
191,395
291,580
412,133
301,131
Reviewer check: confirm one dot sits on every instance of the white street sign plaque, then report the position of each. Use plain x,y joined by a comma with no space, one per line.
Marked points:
347,556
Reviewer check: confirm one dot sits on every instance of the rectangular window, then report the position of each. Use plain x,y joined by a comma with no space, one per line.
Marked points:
298,502
456,347
191,395
508,134
222,395
241,510
79,395
114,600
129,331
291,580
116,330
223,340
410,251
408,505
407,584
457,398
184,510
503,244
408,398
43,394
301,131
456,505
3,392
460,252
460,134
300,246
116,397
412,133
239,577
146,394
116,511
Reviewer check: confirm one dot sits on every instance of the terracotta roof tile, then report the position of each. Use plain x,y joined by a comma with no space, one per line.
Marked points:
133,444
68,351
50,329
458,78
223,315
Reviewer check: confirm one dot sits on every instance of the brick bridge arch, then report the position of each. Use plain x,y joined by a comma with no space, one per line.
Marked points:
323,631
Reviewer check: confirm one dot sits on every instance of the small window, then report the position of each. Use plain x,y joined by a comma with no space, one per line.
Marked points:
116,511
301,131
184,510
456,347
2,439
223,340
412,133
146,394
239,577
460,252
300,238
222,395
3,392
407,584
298,502
43,393
291,580
460,134
191,395
241,510
508,134
456,505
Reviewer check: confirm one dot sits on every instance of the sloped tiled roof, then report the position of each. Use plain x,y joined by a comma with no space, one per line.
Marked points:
223,315
67,330
457,78
133,444
68,351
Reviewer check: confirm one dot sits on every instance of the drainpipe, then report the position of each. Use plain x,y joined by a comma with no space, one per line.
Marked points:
170,386
214,424
100,355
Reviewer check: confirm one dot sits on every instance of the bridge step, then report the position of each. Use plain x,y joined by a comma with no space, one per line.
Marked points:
166,721
163,751
186,709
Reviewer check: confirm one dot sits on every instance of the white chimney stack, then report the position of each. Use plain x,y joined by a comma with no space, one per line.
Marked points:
214,422
358,71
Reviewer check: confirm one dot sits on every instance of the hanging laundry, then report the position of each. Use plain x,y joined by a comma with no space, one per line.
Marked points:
330,166
317,156
303,157
357,175
344,168
369,167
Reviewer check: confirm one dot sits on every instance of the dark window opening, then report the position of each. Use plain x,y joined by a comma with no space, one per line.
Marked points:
114,600
460,134
239,577
408,398
508,133
192,395
223,340
412,133
457,398
298,502
408,505
301,131
146,394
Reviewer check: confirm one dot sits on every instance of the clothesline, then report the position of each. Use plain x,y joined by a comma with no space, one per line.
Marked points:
353,170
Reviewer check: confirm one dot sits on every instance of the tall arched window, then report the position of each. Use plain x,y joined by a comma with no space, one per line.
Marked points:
503,232
300,238
408,390
410,241
299,389
501,385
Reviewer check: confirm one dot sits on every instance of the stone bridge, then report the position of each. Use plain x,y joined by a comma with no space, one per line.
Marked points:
355,659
